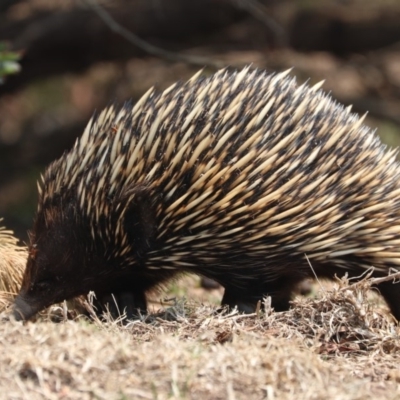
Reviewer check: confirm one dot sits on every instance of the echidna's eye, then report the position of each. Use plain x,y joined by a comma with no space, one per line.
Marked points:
43,285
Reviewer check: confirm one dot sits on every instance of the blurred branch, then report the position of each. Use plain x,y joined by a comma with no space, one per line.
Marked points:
148,47
260,12
73,39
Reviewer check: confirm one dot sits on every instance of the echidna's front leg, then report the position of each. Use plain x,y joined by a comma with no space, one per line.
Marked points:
128,303
391,292
232,298
246,300
122,296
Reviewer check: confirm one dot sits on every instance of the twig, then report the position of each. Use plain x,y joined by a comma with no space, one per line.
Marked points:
391,277
315,274
147,47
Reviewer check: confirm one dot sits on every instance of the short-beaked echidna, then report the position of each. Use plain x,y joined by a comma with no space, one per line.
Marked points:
241,177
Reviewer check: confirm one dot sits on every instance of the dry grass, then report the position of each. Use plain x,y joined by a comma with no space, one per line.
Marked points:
340,344
12,264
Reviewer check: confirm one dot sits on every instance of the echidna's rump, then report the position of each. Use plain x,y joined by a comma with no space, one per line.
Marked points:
238,177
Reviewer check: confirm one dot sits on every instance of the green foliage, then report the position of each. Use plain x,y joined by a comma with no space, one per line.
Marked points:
8,62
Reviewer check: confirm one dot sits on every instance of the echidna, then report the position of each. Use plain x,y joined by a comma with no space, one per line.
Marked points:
241,177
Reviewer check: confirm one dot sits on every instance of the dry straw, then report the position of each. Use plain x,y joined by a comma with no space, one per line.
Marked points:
12,264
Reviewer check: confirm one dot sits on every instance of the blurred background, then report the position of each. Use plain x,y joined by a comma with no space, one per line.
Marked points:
78,56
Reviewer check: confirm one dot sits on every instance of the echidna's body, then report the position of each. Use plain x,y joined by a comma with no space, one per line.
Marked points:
239,177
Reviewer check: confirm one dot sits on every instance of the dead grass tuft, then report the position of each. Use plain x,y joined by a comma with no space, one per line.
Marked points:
346,320
12,264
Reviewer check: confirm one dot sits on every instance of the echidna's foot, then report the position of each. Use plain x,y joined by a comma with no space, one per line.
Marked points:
123,303
247,303
391,292
243,305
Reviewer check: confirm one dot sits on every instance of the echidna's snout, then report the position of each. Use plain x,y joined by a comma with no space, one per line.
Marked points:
24,310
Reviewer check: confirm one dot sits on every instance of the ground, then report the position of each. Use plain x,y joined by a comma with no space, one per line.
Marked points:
339,343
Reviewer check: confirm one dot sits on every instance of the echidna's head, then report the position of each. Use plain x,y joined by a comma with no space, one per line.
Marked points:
58,266
71,254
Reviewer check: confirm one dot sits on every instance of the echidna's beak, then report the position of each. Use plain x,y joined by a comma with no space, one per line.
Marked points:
23,310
